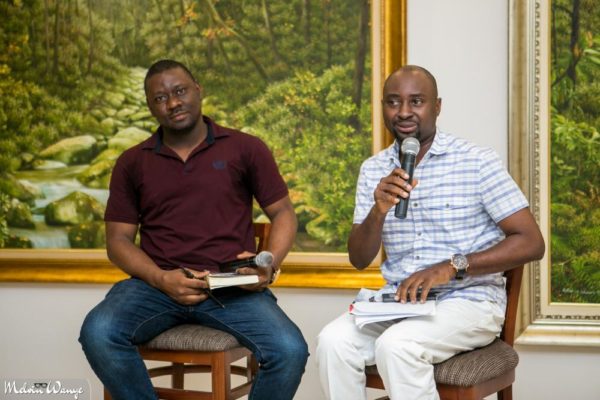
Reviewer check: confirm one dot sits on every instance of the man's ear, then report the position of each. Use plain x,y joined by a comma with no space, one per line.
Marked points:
438,106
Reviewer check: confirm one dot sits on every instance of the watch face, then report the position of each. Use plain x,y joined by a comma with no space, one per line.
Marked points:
459,261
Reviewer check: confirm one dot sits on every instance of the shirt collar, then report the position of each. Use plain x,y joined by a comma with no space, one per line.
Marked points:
213,132
440,145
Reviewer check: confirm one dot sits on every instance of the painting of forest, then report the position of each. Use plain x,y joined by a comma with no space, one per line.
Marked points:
294,72
575,151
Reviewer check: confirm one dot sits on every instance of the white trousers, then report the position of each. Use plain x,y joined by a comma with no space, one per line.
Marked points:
404,351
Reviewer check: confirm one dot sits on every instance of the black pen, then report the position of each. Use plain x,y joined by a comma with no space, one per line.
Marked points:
188,274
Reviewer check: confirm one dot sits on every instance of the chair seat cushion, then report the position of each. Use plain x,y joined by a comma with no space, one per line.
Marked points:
473,367
193,338
477,366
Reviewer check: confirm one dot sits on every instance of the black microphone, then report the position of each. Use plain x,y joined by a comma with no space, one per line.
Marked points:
263,259
408,154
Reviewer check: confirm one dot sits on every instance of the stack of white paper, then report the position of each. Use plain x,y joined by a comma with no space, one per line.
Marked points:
367,312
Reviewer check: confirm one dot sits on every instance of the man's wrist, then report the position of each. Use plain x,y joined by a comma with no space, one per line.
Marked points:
378,214
274,275
452,270
460,263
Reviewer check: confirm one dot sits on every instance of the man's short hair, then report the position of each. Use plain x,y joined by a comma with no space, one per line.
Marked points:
165,65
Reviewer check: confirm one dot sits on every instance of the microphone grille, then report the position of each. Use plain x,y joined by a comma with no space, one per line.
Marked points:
264,259
410,145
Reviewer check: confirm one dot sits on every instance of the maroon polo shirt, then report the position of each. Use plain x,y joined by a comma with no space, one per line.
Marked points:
196,213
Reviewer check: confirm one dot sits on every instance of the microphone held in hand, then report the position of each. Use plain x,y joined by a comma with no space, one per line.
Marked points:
408,155
263,259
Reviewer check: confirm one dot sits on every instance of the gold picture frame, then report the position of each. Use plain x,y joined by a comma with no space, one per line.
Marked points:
543,322
326,270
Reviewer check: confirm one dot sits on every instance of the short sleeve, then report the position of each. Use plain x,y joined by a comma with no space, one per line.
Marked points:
500,194
364,195
122,204
267,183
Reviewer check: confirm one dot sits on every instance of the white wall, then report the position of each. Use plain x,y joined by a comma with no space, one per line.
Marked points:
464,44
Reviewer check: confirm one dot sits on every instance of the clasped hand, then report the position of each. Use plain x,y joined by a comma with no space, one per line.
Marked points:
185,286
422,281
391,188
264,274
188,287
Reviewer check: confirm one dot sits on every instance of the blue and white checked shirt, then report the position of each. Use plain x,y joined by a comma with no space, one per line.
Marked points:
463,192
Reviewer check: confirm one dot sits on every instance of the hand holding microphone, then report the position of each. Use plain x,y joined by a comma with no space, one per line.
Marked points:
408,159
264,259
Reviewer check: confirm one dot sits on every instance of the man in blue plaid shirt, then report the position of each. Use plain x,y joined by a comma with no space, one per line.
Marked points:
467,222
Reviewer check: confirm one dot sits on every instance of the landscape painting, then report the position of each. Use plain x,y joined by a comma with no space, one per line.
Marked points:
575,151
296,73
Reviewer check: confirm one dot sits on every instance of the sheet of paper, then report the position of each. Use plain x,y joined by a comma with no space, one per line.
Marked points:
394,308
367,312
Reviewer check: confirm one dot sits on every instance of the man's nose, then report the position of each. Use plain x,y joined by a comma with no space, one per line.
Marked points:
405,110
173,102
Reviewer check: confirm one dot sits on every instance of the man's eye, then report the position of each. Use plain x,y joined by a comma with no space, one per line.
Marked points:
180,91
393,103
417,102
160,99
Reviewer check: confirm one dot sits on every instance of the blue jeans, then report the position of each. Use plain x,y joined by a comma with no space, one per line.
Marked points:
133,312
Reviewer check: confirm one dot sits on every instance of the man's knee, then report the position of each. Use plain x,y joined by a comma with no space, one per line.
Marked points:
97,331
333,337
326,338
292,350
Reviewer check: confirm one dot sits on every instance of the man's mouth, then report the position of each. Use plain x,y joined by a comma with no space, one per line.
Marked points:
179,116
406,127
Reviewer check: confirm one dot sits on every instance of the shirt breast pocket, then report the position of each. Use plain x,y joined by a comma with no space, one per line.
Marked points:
451,218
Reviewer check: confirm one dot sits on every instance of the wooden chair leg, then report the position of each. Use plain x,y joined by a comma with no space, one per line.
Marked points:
221,377
251,367
177,377
505,394
248,361
107,395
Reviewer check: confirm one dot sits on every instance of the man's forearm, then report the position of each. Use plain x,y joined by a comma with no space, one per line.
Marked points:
284,225
365,239
523,243
513,251
133,261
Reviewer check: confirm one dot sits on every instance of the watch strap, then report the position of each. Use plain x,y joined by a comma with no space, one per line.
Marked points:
460,263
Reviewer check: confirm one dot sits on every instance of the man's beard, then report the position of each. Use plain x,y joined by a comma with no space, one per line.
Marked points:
401,136
184,129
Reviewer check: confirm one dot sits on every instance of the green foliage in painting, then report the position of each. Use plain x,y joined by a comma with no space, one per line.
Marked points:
312,115
575,151
296,73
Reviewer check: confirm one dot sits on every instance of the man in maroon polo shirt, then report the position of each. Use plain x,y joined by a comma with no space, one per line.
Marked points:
188,189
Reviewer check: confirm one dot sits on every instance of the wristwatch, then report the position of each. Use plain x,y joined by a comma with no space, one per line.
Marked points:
275,275
460,263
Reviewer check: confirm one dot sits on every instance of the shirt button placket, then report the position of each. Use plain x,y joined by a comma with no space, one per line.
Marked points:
418,241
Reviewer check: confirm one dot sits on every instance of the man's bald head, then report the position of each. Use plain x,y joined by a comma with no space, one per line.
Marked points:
413,68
